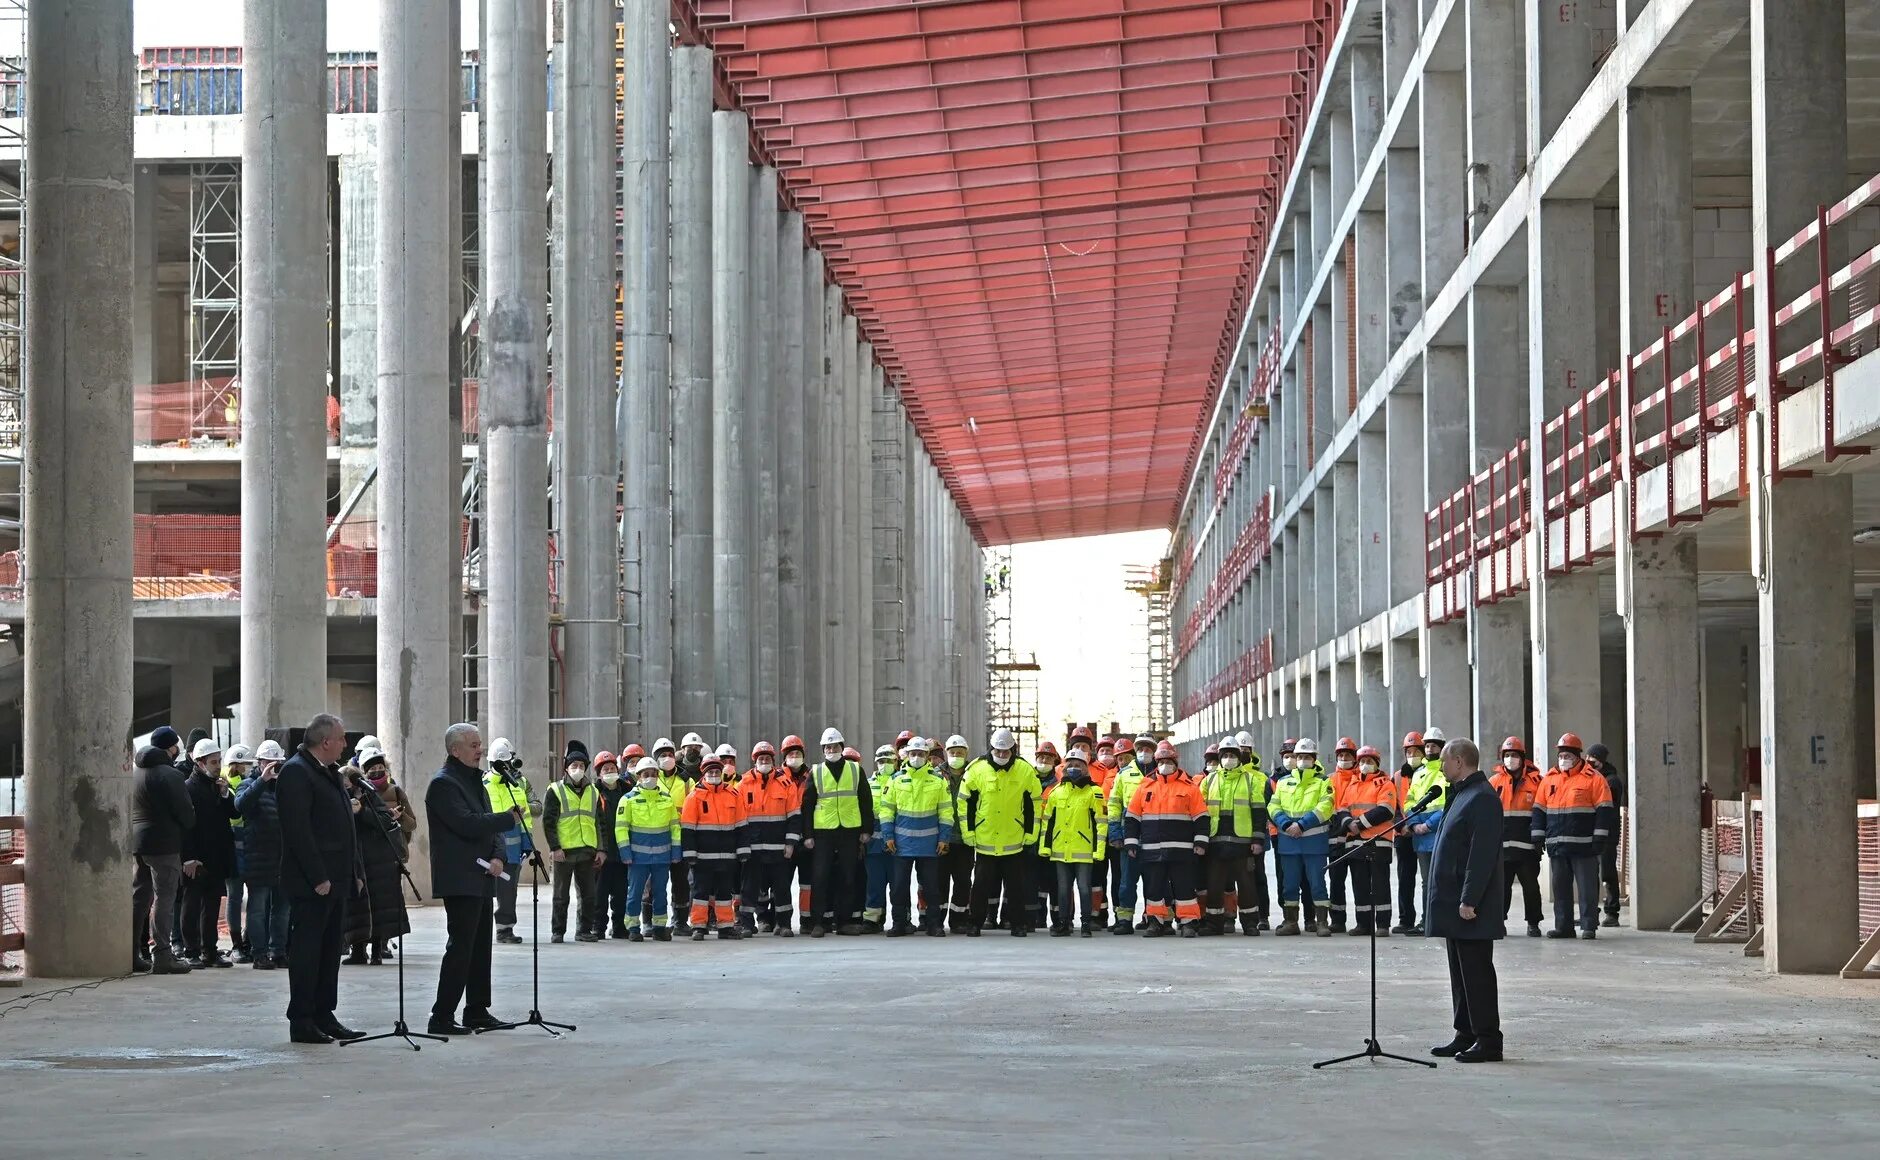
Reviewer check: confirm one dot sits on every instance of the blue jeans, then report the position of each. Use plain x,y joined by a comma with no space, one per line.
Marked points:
1127,873
1310,867
267,921
645,876
235,895
880,868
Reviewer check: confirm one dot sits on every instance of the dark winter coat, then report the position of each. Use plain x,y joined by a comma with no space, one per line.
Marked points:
318,840
160,807
1466,865
457,808
606,807
261,831
211,840
377,913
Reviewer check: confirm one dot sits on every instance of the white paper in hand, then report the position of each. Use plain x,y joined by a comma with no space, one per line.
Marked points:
485,863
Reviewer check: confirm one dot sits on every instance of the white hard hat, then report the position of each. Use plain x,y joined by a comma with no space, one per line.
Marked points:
239,755
1230,741
1306,745
1003,739
917,745
692,739
1433,733
270,751
1244,741
886,749
207,747
662,743
366,757
957,742
727,751
370,741
645,765
832,736
502,750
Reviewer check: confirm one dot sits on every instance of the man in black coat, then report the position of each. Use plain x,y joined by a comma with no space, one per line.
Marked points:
463,833
208,854
1601,757
320,867
160,813
1464,903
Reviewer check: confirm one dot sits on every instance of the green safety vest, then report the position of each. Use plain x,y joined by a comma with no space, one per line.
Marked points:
1236,790
837,805
575,828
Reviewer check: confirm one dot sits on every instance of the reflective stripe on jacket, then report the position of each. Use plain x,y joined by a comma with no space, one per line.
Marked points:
1076,824
916,812
646,827
1167,819
878,783
772,814
1236,806
1122,791
505,796
711,823
1303,796
1573,812
1001,806
1517,807
1429,774
838,805
1374,802
568,817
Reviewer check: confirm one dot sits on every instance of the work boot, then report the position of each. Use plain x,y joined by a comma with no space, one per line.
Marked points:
783,931
870,926
620,928
1121,926
140,965
1586,934
587,936
356,959
730,933
852,929
1089,929
1189,930
1612,918
169,965
1291,923
1358,930
662,934
1156,929
972,930
1060,932
816,930
507,934
378,955
698,934
1414,930
1020,930
1534,930
1249,928
1266,921
242,955
555,938
768,926
634,935
1559,934
1338,923
1324,928
1400,928
900,930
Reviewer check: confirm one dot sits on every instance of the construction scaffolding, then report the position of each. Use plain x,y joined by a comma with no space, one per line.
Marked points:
1012,678
1152,671
215,300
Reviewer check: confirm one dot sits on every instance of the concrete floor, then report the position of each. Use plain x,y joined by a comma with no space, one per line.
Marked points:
1636,1045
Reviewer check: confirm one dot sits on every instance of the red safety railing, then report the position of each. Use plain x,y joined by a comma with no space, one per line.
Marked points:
1475,541
1244,436
1241,672
1244,556
1582,449
207,412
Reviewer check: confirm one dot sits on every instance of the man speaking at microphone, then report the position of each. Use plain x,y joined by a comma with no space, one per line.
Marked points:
466,862
1464,904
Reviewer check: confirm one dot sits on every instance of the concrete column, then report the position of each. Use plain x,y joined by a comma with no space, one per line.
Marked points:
1403,244
1369,101
792,558
450,62
733,540
358,325
1405,561
1372,549
1663,641
1615,701
870,386
1497,87
815,560
893,534
1726,732
694,704
1443,171
594,435
838,606
283,355
144,276
1449,687
763,352
192,694
1323,219
1344,548
1343,175
648,355
1372,297
514,399
1801,528
1408,709
1402,25
1559,51
1373,702
1325,401
1498,417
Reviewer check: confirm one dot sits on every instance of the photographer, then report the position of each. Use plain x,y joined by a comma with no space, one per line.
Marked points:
376,915
208,855
261,865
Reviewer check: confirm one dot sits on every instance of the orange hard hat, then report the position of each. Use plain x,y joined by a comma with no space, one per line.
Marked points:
1413,738
1345,745
1106,743
1046,747
1514,743
792,742
1081,733
634,751
1165,752
763,749
1369,751
1569,741
605,758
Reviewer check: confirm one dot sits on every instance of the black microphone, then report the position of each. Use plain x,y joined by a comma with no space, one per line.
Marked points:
1429,796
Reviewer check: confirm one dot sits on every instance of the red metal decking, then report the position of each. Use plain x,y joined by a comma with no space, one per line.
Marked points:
1046,214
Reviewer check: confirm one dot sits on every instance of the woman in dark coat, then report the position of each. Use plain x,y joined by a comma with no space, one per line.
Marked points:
378,915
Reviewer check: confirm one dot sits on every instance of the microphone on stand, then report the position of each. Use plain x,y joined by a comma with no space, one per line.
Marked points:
1429,795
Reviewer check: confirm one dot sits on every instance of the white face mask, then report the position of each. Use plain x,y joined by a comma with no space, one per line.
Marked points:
1512,762
765,765
832,756
1368,767
648,781
1230,763
1165,768
1414,757
956,760
713,777
794,761
1083,753
1347,763
668,763
611,779
1144,757
1002,756
1046,763
577,774
1564,762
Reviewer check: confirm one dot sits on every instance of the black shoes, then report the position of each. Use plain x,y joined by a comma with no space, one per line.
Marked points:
731,933
140,965
972,932
507,934
587,936
900,930
356,959
816,931
698,934
1534,930
170,965
1122,927
1188,930
1612,918
1481,1051
482,1021
331,1026
634,935
1559,934
852,929
662,934
555,938
1589,934
1455,1046
305,1031
445,1026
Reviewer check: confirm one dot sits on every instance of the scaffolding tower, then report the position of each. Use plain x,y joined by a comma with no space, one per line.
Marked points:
1012,679
1152,671
215,300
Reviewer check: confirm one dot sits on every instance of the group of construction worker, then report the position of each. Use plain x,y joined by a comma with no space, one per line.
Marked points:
936,840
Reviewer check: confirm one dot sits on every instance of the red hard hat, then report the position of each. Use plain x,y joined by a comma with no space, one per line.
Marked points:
634,751
1413,738
1369,751
1106,743
849,753
1514,743
1046,747
902,738
792,742
1569,741
1286,746
1345,745
605,758
1212,751
1081,733
1165,751
763,749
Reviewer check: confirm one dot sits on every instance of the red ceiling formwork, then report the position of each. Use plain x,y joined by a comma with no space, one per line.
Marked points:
1045,215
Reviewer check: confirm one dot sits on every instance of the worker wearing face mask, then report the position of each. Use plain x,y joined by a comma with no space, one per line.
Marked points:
841,812
1518,783
1573,813
1344,773
1000,794
509,791
1424,822
673,779
1302,809
1236,797
1040,873
570,824
1166,825
772,829
956,864
611,893
712,832
1123,788
1370,803
649,836
917,813
1084,744
796,774
1405,844
1072,840
1262,899
1102,769
877,860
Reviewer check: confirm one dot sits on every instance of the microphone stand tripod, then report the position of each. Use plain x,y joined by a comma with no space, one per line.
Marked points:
1372,1049
399,1028
535,960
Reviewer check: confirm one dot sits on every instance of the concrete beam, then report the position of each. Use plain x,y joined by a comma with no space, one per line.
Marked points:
762,388
732,539
793,553
693,480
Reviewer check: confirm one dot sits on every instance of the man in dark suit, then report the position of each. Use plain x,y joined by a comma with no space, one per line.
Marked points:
1464,904
320,867
464,832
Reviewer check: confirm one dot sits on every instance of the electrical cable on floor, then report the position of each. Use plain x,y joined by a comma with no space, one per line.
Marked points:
20,1002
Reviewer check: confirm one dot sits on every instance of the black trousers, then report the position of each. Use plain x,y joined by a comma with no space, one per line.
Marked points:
1573,873
1473,990
577,868
612,900
836,878
1231,888
1609,874
991,874
1170,887
1524,865
1407,880
767,891
316,928
506,895
928,869
1370,888
955,890
1043,879
1336,878
202,910
464,975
